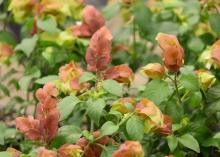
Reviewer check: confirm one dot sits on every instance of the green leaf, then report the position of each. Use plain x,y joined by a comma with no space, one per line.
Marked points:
172,142
195,99
188,79
143,19
66,106
95,109
135,128
27,45
157,91
47,79
5,154
108,151
70,133
111,10
48,25
87,76
4,89
217,135
108,128
195,44
7,38
24,82
113,87
214,20
190,142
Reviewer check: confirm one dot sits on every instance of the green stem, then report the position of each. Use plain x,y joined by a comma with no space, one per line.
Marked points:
176,88
91,126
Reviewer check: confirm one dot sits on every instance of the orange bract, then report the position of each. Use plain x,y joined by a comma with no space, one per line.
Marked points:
43,152
129,149
69,150
153,70
121,73
173,53
92,21
98,54
216,52
45,126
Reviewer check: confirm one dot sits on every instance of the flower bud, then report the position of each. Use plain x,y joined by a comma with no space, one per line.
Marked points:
21,9
14,152
121,73
206,79
153,70
6,51
173,53
150,113
129,149
124,105
70,150
216,53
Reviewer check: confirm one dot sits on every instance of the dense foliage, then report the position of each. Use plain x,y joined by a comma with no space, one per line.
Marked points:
76,71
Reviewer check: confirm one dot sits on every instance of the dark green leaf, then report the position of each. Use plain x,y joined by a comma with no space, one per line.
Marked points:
7,38
188,79
214,20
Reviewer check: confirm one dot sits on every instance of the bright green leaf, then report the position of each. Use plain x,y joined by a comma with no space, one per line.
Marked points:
95,109
113,87
48,25
172,142
190,142
135,128
66,106
70,133
27,45
108,128
157,91
87,76
47,79
5,154
7,37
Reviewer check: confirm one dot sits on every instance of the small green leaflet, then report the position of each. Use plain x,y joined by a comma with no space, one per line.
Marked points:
48,25
47,79
87,76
